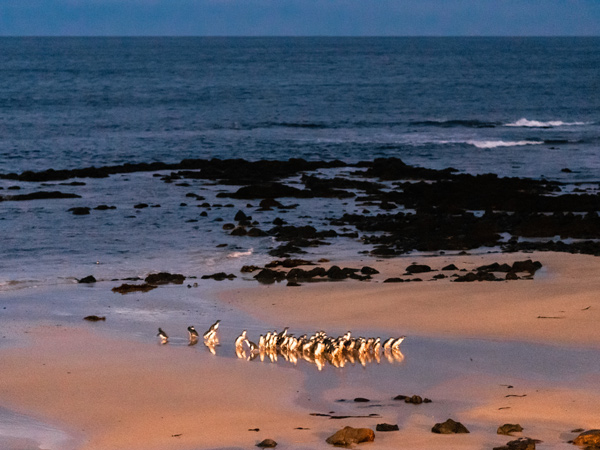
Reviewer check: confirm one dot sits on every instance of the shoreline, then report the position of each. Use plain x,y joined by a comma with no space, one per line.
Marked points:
118,391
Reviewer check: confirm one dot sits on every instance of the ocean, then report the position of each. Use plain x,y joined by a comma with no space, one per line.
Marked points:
519,107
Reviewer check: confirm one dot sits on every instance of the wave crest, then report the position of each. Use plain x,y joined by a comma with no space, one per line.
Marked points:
496,144
523,122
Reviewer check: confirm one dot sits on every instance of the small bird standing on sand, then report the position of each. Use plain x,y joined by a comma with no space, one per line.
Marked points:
193,334
387,345
239,342
397,342
211,333
163,336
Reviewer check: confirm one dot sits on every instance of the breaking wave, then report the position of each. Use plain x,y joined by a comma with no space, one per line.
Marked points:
537,124
496,144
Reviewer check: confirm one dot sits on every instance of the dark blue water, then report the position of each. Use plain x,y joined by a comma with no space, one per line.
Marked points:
72,102
513,106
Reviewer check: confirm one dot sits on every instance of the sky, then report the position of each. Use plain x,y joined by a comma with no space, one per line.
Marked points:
299,17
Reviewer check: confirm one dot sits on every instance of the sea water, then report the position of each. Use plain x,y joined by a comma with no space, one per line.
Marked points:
527,107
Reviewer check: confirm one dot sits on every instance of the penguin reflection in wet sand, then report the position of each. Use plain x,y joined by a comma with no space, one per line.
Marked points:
163,336
193,335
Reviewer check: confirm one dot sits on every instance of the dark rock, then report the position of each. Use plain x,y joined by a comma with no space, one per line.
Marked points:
203,214
88,279
476,276
128,288
519,444
348,436
450,267
164,278
361,400
42,195
267,443
509,428
393,280
268,276
104,207
495,267
241,216
292,283
386,427
526,266
268,190
439,276
228,226
415,400
369,270
249,269
220,276
256,232
79,210
140,206
449,427
94,318
279,222
284,250
512,276
267,204
289,263
418,268
239,231
590,438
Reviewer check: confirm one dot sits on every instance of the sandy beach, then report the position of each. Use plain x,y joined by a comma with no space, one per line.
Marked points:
486,353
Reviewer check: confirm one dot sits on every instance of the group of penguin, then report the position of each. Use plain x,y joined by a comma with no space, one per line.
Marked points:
210,337
317,348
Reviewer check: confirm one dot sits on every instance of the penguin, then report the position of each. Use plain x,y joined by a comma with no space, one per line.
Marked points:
163,336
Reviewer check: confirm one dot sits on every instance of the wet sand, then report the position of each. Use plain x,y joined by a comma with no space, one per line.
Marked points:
467,343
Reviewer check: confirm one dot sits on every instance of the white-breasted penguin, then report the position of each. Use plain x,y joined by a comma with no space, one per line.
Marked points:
163,336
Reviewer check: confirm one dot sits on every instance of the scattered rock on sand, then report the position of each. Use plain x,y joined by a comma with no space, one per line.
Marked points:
348,436
590,438
418,268
267,443
164,278
386,427
94,318
88,279
220,276
128,288
519,444
415,399
449,427
509,428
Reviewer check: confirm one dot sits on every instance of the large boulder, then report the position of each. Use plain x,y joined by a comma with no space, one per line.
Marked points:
348,436
509,428
449,427
590,438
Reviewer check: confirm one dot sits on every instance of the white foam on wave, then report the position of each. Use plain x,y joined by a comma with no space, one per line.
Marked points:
496,144
240,254
537,124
